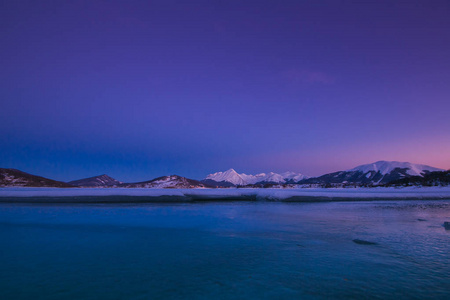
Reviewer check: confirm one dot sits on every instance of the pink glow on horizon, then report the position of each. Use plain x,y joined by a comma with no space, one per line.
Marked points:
341,157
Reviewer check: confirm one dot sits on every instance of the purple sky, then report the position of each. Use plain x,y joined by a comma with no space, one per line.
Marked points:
140,89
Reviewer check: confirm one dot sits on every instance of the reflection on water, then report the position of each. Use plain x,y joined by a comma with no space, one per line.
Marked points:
385,250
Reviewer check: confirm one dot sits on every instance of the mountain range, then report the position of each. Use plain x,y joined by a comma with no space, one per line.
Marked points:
231,177
376,174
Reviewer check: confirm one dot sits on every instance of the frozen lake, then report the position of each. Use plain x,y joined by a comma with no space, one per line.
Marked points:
230,250
149,195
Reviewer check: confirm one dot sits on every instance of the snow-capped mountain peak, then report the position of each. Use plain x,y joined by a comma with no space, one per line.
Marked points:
386,167
228,176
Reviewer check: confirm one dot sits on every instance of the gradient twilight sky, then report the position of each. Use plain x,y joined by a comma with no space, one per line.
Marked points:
140,89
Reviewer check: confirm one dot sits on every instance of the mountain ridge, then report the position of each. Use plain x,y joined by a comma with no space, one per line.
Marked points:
377,173
437,178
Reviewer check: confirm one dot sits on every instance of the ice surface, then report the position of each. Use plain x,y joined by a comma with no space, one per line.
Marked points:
299,194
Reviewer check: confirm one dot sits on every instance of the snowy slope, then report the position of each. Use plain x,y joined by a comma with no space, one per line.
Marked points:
96,181
386,167
293,177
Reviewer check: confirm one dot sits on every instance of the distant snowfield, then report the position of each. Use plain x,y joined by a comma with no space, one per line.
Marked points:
124,195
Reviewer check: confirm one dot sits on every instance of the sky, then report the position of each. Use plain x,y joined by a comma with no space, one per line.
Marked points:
141,89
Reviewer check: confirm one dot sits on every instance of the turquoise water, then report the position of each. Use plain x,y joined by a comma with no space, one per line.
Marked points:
231,250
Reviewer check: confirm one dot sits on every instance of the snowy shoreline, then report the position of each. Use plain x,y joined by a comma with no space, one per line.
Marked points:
124,195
